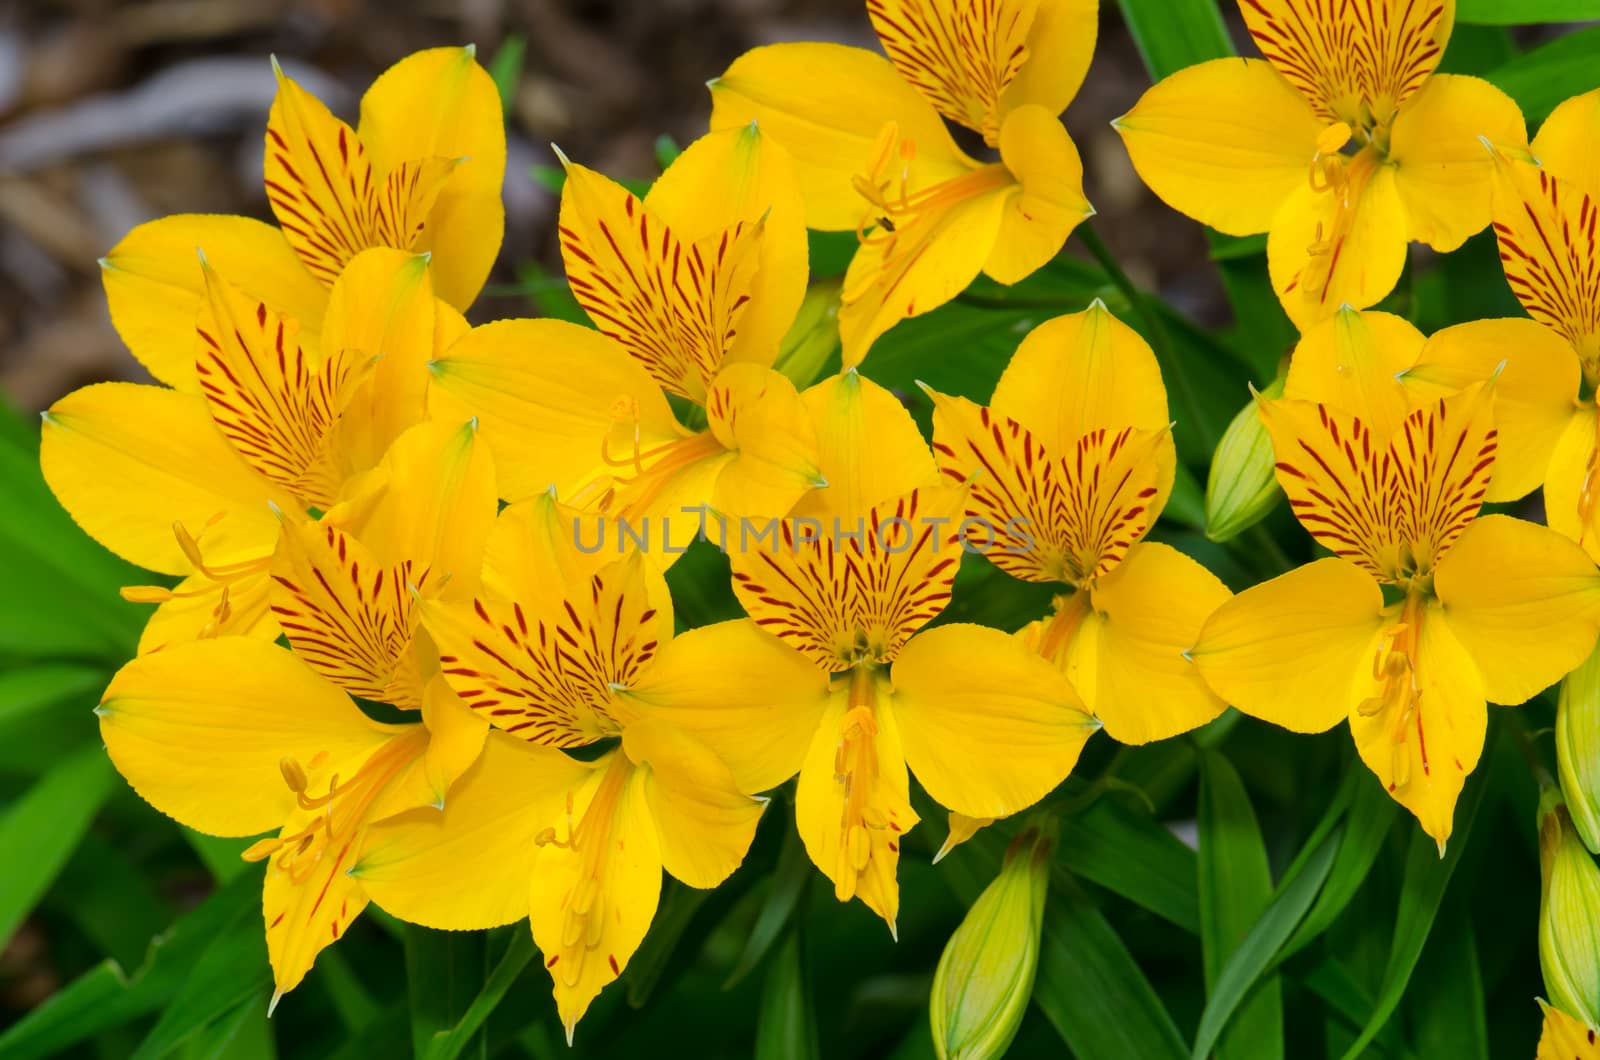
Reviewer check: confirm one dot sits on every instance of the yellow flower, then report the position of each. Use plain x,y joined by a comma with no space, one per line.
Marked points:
987,726
547,652
421,173
233,736
1342,145
1488,608
1070,465
873,155
1544,221
1565,1038
184,481
694,288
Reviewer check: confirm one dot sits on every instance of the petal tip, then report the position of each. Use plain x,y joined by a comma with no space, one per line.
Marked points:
470,50
277,995
566,163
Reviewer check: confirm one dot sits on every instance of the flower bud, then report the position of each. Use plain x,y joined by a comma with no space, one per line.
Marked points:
813,337
1578,748
1569,914
1241,488
985,977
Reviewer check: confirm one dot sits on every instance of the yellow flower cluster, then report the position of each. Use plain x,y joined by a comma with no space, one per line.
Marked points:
418,620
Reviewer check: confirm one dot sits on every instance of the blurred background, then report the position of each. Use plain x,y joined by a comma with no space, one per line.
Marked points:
112,114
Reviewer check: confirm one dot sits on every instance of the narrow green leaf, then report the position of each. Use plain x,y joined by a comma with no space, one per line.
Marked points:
110,898
1427,875
232,972
447,1045
1348,1002
220,856
242,1033
1367,824
1235,887
1134,856
505,69
1255,953
28,690
1524,12
41,829
1446,1002
1542,78
344,988
106,997
786,1024
444,971
788,885
679,904
1172,34
1092,991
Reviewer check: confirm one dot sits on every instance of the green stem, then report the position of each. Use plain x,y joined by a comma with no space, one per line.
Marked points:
1155,330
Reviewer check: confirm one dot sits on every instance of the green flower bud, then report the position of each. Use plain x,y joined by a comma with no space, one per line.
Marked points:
1569,914
985,977
813,337
1241,488
1578,748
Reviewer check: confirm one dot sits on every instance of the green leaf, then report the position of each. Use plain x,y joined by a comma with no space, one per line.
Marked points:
1261,945
106,997
1427,874
679,904
787,887
1524,12
1446,1002
1091,990
444,971
41,829
505,69
232,972
1172,34
1235,887
448,1044
786,1023
110,898
1367,824
27,690
1134,856
1542,78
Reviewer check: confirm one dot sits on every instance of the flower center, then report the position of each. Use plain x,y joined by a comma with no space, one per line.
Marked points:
635,479
1399,698
589,838
1344,176
343,806
855,766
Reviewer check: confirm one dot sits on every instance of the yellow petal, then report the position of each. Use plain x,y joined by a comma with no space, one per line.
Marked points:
382,305
757,414
129,461
743,693
1535,391
329,200
1565,1038
703,822
1352,362
1423,746
468,866
1148,612
439,103
1523,601
203,607
1066,515
826,104
154,285
455,738
1352,61
1049,202
989,727
307,914
1566,143
1571,487
203,746
859,588
532,551
431,506
1225,142
1290,650
1342,246
853,803
547,395
742,176
594,891
921,263
1442,172
276,403
868,447
1060,44
1081,371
